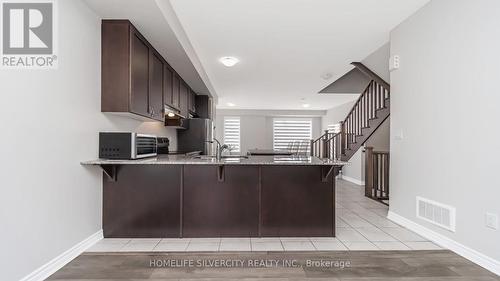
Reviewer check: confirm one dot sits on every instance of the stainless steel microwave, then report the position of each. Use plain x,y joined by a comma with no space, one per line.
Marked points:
117,145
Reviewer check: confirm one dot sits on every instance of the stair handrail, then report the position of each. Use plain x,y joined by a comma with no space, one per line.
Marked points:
372,99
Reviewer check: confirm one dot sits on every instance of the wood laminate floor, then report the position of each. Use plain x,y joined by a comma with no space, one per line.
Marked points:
357,265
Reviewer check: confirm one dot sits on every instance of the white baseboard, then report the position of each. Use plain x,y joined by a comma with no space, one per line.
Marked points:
445,242
44,271
353,180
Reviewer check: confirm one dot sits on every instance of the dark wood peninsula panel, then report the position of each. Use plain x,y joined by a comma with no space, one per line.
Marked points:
296,202
144,202
220,205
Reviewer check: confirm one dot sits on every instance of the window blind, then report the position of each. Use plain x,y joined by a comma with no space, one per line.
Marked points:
334,128
232,133
292,134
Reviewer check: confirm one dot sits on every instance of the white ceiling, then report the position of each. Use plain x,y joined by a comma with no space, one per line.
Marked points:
156,20
285,46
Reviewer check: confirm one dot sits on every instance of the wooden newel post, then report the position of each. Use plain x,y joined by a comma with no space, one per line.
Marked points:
312,147
325,145
342,138
368,171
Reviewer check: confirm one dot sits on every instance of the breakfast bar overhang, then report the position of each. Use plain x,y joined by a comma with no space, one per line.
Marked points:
182,196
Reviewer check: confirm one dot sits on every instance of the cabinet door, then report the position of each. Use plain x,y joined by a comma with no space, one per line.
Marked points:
192,101
168,86
220,208
156,86
143,202
296,202
176,92
139,64
184,99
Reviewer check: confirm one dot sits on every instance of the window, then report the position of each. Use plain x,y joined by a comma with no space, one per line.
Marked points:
292,134
334,128
232,133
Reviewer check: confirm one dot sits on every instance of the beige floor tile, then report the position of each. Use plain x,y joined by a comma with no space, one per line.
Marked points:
203,247
361,246
403,234
241,246
391,246
329,246
422,246
374,234
172,246
267,246
139,246
350,235
298,246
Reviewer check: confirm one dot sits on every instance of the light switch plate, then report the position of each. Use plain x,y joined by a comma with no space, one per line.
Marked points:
394,62
492,221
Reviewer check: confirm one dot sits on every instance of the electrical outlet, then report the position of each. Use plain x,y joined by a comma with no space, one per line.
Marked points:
492,221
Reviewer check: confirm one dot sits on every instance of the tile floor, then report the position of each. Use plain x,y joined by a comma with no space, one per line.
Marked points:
361,225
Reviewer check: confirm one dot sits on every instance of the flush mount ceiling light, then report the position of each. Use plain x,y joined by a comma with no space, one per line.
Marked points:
326,76
230,104
229,61
306,105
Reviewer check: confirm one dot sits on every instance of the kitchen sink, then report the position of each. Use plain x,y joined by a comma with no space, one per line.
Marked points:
234,156
211,157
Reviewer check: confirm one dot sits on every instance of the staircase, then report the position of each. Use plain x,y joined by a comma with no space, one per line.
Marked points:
369,112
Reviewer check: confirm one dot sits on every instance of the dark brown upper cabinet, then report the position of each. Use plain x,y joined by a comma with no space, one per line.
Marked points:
139,70
204,106
176,86
135,77
192,101
184,99
156,86
168,76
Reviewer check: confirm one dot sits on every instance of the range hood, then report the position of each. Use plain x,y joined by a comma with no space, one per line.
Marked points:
174,119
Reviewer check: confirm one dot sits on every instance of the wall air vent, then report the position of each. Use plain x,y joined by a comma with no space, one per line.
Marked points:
439,214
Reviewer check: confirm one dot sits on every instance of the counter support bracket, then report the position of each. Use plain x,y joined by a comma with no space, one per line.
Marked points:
220,173
110,171
325,172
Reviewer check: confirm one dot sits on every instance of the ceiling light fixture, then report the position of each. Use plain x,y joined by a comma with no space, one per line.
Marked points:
326,76
306,105
229,61
230,104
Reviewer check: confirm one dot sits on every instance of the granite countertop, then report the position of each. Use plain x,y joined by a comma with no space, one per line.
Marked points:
251,160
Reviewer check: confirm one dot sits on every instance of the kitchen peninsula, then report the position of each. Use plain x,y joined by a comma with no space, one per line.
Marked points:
184,196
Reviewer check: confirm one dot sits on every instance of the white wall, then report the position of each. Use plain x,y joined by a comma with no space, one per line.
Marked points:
256,126
378,62
445,102
50,122
336,114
